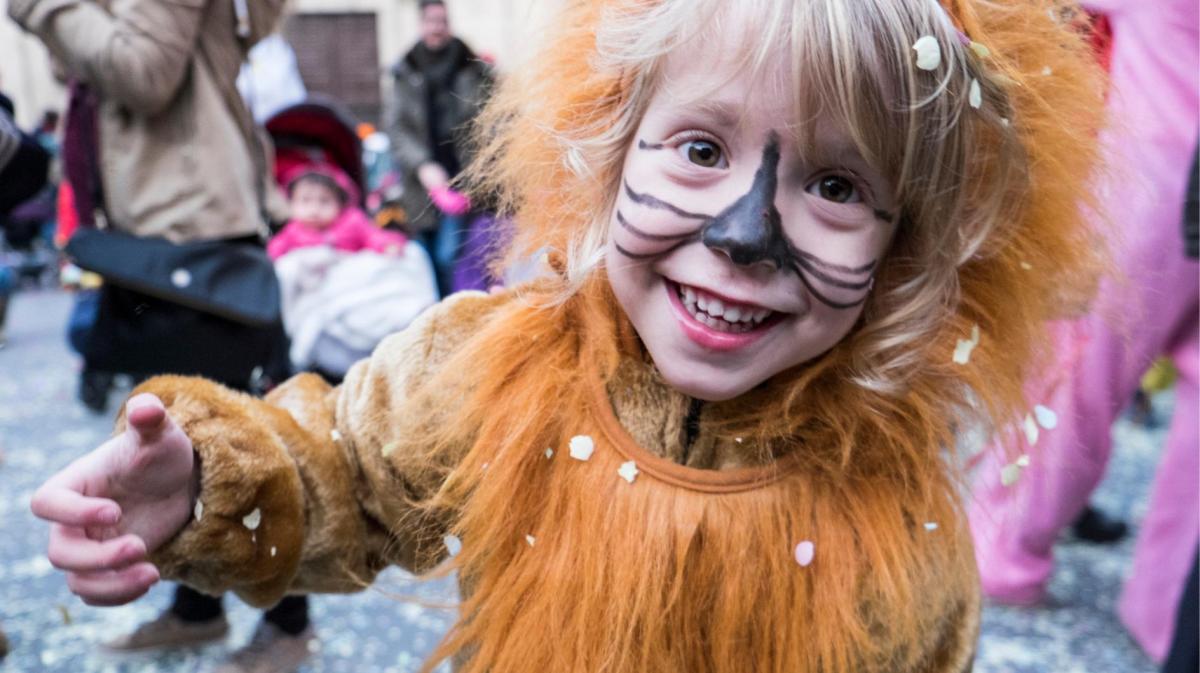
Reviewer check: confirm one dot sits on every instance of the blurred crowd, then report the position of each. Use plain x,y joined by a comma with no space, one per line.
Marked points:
310,236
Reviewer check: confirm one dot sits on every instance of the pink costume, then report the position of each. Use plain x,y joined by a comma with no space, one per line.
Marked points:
1149,308
351,231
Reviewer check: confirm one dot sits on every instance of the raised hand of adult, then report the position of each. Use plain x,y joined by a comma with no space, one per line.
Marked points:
113,506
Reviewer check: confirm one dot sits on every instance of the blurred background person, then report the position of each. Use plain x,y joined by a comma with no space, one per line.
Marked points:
161,145
1150,307
438,89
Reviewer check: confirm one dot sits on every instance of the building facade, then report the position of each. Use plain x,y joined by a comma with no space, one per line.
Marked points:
344,47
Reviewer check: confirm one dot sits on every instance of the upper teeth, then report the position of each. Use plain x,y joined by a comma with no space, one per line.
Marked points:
695,299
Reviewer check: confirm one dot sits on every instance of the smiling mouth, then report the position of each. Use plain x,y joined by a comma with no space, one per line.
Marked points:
721,314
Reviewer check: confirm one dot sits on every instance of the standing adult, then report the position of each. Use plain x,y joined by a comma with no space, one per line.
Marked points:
1155,112
439,87
168,149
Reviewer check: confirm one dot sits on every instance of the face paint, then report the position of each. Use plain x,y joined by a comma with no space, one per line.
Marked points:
750,231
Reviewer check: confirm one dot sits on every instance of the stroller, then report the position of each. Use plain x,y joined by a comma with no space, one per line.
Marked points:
337,306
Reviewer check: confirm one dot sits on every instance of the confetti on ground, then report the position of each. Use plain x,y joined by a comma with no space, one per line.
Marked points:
929,53
252,519
964,347
1031,430
931,526
805,552
453,544
529,539
198,510
628,471
1046,417
975,97
582,447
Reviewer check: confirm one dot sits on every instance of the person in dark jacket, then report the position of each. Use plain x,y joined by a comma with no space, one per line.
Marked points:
438,88
24,169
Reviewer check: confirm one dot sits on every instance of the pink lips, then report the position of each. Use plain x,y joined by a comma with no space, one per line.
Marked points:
707,337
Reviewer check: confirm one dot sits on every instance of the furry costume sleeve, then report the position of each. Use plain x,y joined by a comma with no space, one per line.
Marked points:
298,492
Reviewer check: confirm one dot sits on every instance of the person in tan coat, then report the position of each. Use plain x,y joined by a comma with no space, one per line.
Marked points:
177,156
791,246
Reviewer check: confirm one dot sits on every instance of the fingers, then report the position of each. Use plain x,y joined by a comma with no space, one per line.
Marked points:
57,502
70,549
146,415
113,587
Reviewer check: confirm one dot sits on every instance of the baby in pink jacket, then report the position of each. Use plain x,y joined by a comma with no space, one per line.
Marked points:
323,213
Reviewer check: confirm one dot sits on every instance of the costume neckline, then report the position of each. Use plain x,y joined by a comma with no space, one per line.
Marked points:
735,480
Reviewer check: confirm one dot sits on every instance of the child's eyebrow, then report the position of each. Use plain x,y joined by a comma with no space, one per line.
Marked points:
724,113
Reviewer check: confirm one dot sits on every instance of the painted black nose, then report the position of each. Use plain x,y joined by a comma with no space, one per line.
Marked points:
750,231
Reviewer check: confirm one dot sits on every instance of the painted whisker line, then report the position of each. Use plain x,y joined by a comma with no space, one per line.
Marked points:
643,145
647,235
826,300
804,265
651,255
798,254
653,202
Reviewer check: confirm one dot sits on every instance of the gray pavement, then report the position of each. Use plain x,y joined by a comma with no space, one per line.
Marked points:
42,428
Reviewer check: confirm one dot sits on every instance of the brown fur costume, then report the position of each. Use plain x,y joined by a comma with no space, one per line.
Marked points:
565,565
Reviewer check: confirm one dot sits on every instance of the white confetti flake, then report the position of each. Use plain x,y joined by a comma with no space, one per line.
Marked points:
975,97
1045,417
1027,266
1046,72
529,540
931,526
964,347
389,449
582,447
549,453
804,553
1023,461
929,53
274,551
335,435
628,471
484,467
453,544
739,440
198,510
1031,430
1010,474
253,519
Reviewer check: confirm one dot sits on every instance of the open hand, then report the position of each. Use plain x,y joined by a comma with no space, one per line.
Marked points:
113,506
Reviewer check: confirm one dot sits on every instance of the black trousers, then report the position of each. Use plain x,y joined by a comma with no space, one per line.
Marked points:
290,614
1184,656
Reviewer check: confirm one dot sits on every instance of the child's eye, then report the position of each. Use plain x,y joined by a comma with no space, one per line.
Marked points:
703,153
835,188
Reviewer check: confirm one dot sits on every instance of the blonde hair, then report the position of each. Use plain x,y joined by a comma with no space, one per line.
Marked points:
557,132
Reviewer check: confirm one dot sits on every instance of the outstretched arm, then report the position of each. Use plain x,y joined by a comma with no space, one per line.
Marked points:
299,492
